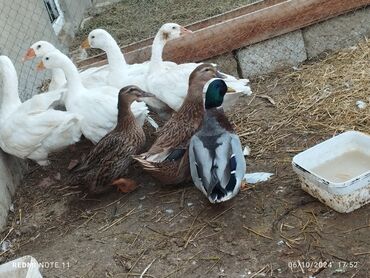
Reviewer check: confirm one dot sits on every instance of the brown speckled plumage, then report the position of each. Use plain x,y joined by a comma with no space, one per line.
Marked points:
111,157
174,136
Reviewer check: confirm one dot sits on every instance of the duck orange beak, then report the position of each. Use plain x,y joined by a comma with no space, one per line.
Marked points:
40,66
184,31
30,54
85,44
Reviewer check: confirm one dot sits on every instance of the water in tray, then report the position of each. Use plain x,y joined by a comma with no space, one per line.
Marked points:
344,167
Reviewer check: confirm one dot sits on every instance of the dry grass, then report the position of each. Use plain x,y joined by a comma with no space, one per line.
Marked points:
317,98
131,20
325,93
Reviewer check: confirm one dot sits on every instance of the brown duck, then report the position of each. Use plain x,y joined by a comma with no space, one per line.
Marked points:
167,160
106,165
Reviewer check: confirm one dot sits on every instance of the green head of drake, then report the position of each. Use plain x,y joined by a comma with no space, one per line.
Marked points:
215,94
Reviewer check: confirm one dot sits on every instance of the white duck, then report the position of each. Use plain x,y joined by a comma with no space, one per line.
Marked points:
169,82
121,74
31,129
90,78
98,105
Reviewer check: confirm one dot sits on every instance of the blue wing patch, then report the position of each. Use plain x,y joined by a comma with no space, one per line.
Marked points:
232,163
232,181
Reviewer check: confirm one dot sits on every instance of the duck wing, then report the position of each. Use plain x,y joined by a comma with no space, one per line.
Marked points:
26,131
42,102
170,84
95,76
173,139
109,158
217,165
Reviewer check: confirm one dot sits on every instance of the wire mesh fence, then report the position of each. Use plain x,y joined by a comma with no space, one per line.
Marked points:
23,23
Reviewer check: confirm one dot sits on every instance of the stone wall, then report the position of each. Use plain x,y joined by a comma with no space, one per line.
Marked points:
291,49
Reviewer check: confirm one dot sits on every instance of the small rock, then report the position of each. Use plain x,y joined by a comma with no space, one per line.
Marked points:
11,208
169,211
339,270
189,204
361,104
58,176
179,242
45,182
28,229
73,163
5,246
142,198
128,265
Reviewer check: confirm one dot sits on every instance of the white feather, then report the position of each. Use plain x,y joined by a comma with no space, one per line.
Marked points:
257,177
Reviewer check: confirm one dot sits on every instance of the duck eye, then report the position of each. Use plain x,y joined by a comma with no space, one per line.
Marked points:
39,46
173,27
93,37
47,58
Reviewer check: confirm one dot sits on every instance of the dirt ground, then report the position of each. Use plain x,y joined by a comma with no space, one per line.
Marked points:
172,231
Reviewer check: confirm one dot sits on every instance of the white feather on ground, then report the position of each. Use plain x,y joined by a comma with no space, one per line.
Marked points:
257,177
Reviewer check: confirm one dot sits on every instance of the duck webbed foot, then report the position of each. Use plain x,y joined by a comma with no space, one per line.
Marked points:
125,185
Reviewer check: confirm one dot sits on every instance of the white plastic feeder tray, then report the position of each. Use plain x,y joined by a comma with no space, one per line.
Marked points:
24,267
337,171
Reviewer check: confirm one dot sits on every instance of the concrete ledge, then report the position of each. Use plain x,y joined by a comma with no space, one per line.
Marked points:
270,55
11,173
336,33
293,48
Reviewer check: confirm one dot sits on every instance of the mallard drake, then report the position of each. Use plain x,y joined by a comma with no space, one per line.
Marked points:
167,159
120,73
90,78
31,129
169,81
217,163
107,163
97,106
